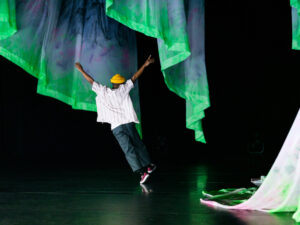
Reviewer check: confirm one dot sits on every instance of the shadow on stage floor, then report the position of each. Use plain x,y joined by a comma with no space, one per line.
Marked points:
111,195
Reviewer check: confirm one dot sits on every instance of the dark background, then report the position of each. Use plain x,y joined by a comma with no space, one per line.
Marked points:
254,94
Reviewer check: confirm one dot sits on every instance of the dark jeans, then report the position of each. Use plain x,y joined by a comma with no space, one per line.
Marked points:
135,151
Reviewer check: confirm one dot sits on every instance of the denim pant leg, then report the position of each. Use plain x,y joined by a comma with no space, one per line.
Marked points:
140,147
122,136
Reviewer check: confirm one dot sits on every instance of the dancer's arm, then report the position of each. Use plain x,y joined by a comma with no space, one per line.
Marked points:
86,76
141,70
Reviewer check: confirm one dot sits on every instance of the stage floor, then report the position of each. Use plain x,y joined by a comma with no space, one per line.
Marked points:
113,196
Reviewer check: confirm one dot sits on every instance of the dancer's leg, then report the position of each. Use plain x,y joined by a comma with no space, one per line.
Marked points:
122,136
140,147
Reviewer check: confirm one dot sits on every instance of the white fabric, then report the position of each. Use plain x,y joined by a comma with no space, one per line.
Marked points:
114,106
280,191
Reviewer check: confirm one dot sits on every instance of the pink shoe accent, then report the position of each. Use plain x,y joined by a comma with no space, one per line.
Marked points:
151,168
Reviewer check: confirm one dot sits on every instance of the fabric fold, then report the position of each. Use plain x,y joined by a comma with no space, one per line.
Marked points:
179,29
280,190
53,35
8,24
295,7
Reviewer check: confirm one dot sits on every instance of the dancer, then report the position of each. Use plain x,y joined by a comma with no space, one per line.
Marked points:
114,106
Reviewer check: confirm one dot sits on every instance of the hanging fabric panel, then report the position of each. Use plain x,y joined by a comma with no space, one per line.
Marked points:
295,4
179,28
280,190
7,18
52,35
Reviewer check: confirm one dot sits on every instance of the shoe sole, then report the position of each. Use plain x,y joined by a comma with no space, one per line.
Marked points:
145,179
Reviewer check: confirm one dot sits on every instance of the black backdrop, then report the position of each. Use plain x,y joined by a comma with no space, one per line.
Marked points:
254,93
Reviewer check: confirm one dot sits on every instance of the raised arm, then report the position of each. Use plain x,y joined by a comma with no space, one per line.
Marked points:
141,70
86,76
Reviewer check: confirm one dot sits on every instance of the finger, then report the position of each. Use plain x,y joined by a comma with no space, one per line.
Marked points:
149,57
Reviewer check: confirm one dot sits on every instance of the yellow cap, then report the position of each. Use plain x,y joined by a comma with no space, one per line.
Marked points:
117,79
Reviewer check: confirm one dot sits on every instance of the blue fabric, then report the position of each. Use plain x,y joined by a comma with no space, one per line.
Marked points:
52,35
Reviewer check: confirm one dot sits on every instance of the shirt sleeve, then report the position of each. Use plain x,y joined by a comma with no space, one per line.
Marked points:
128,85
97,88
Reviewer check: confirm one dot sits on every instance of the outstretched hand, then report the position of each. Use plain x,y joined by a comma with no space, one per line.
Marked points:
149,61
86,76
78,66
140,71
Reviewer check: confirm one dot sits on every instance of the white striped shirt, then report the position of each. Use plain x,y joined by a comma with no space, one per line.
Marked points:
114,106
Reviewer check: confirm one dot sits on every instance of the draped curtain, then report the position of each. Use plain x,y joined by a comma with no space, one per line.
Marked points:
279,192
179,28
46,38
295,4
7,18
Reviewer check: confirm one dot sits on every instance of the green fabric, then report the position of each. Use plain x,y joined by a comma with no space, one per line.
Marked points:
53,35
230,196
7,18
278,191
295,4
177,25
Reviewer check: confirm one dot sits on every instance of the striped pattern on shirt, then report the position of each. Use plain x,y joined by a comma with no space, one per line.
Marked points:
114,106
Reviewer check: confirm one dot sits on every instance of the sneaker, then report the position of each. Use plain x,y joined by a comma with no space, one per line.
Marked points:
144,178
151,168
